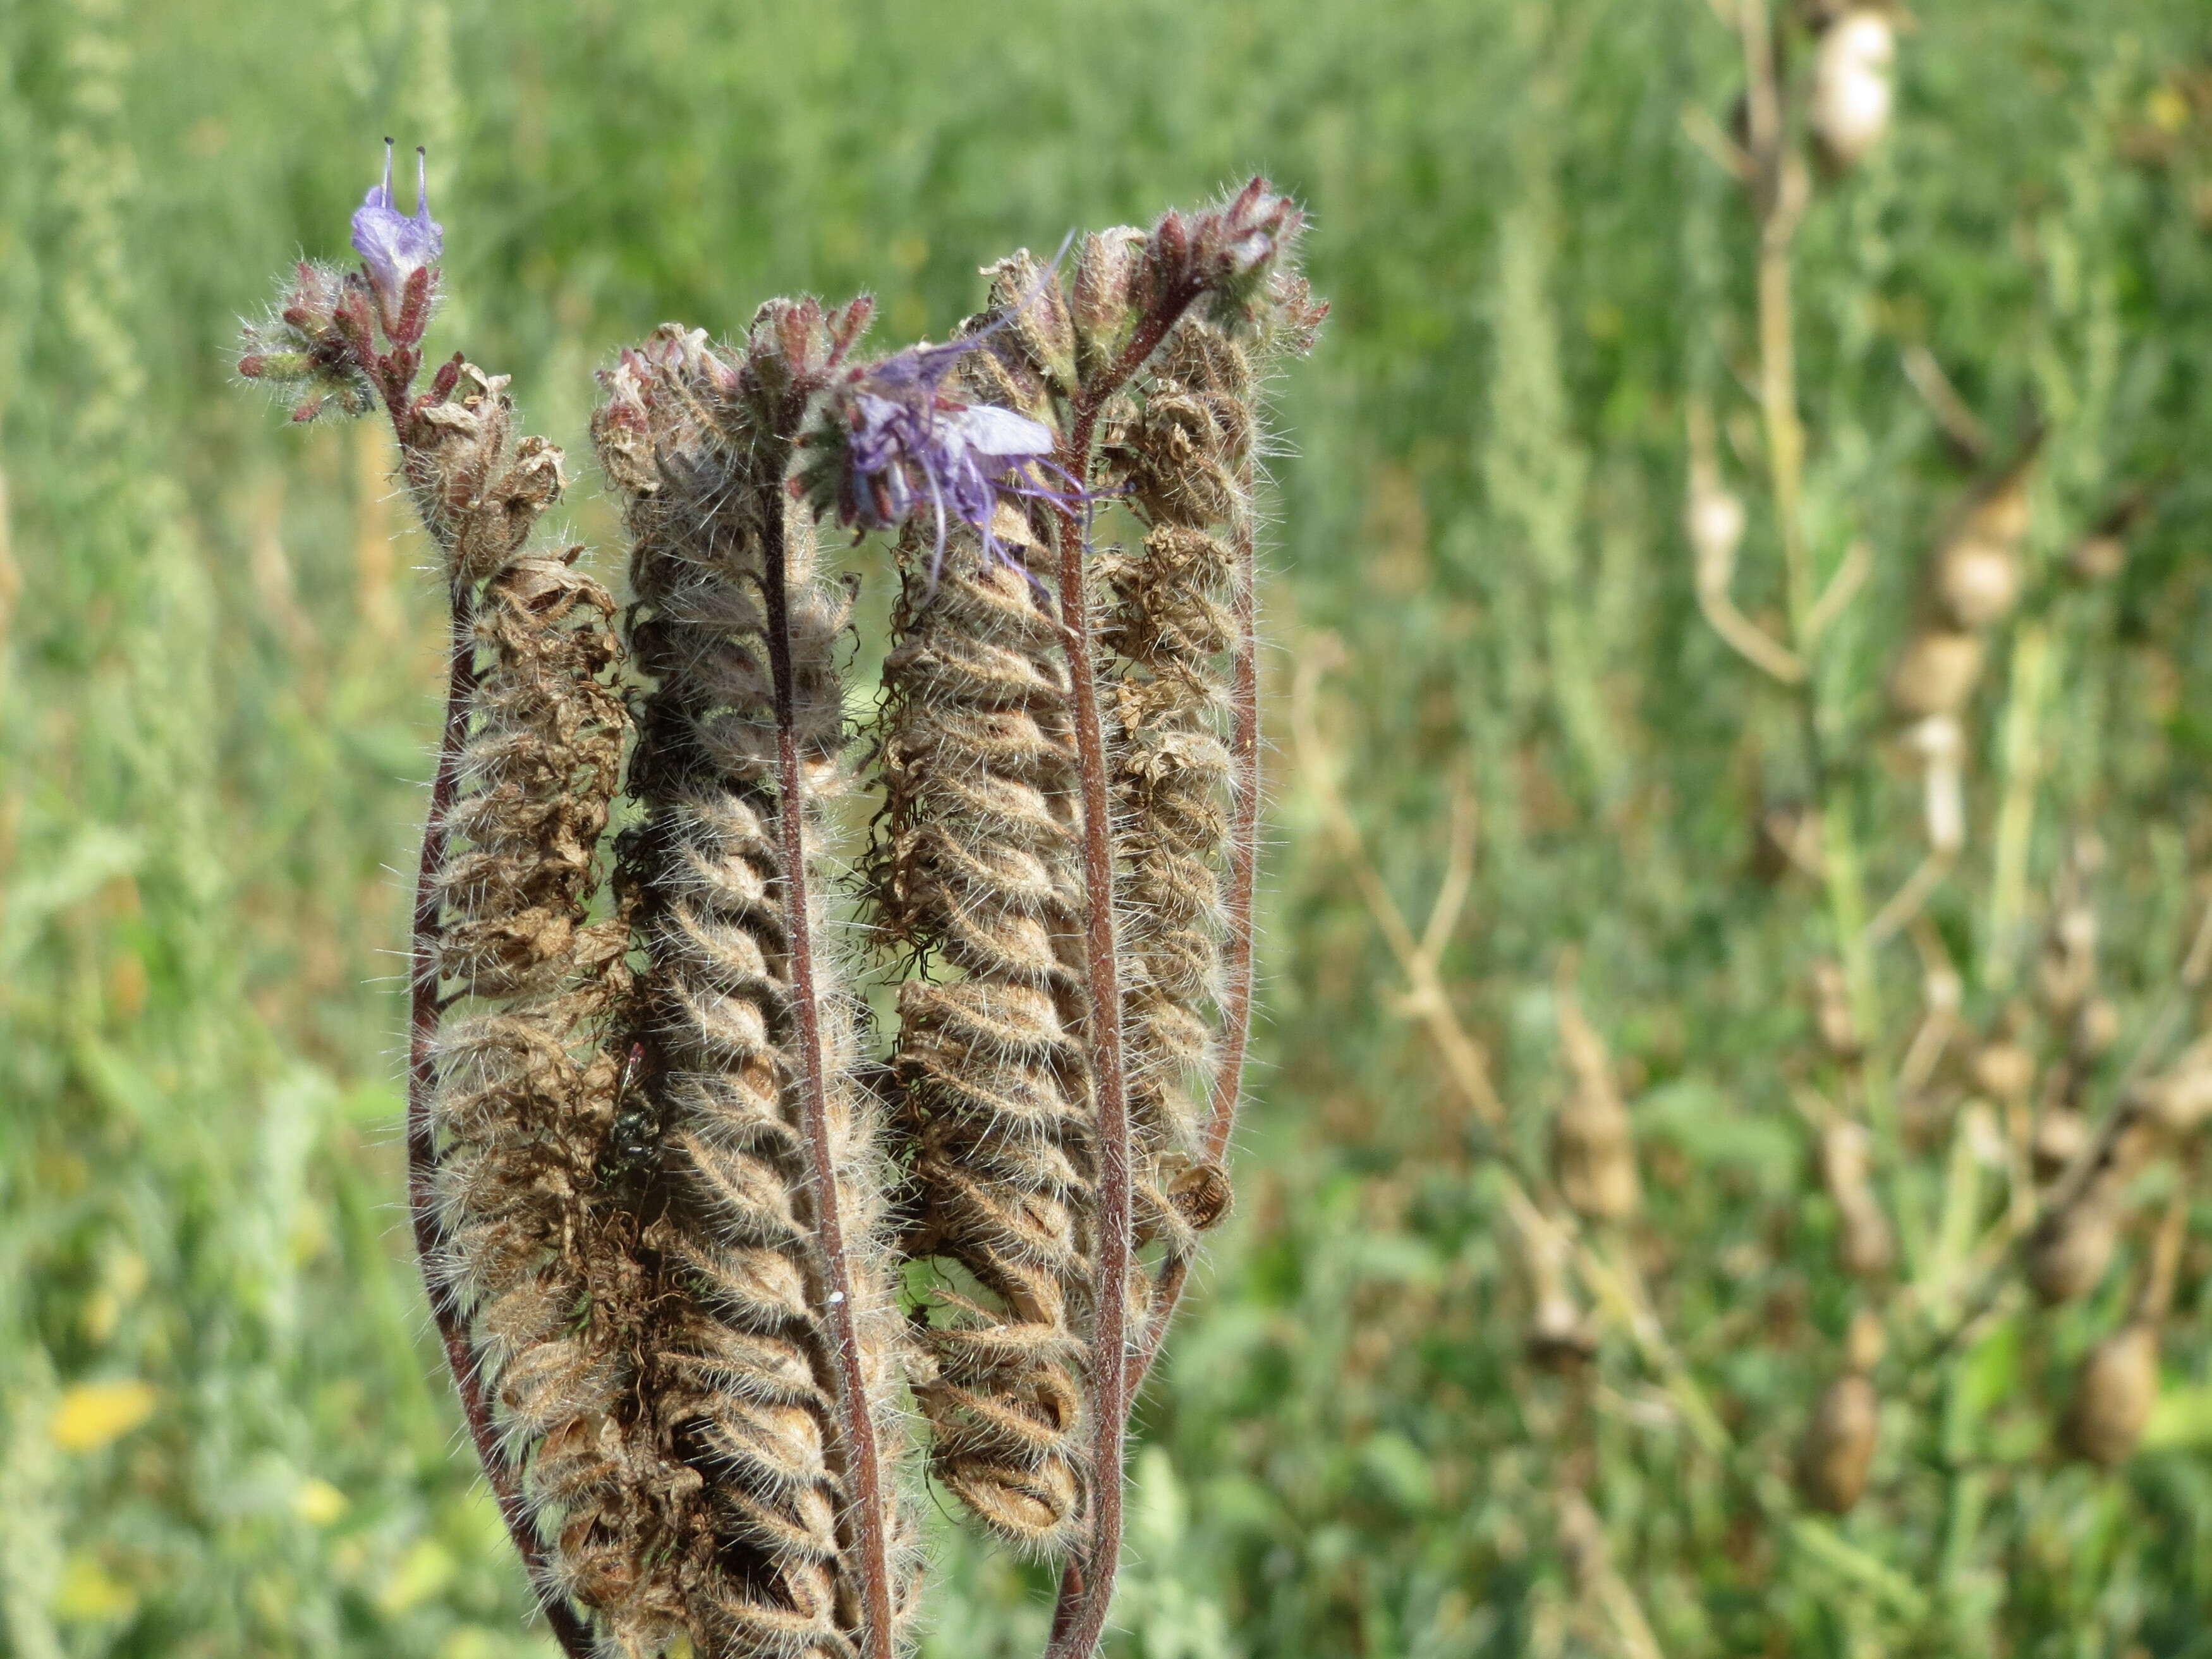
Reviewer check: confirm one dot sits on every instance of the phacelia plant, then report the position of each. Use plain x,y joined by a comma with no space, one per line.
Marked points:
665,1192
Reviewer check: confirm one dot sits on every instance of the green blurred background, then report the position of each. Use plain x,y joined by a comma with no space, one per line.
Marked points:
223,1430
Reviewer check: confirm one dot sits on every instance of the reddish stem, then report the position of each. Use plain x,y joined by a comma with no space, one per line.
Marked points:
423,1141
864,1470
1087,1586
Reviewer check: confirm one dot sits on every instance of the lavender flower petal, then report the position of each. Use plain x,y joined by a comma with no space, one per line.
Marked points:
392,245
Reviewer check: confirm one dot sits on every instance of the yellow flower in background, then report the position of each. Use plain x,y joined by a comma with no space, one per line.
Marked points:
318,1503
2168,109
91,1415
88,1593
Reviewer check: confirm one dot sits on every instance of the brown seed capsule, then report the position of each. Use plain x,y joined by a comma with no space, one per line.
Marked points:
2113,1395
1936,674
2070,1251
2060,1135
1834,1458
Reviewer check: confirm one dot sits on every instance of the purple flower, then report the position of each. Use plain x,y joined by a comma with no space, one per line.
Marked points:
392,247
907,447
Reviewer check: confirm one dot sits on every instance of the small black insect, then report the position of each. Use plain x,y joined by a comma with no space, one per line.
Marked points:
635,1136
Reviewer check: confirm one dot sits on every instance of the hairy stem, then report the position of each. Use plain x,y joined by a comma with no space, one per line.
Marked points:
1087,1585
424,1010
864,1470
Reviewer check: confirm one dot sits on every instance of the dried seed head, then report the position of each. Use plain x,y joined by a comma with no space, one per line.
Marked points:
2113,1395
1837,1453
1936,674
2067,971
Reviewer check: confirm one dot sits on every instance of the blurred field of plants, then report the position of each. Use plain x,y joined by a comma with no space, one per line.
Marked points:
222,1428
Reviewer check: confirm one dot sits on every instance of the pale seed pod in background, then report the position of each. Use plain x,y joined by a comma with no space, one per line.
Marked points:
1559,1338
1831,1011
1853,96
1838,1450
1714,522
1936,674
2066,972
1865,1245
2180,1098
1978,581
1940,745
1593,1149
2096,1027
1864,1341
2004,1070
2061,1134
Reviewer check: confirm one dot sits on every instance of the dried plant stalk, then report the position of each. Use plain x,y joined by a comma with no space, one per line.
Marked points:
768,1377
